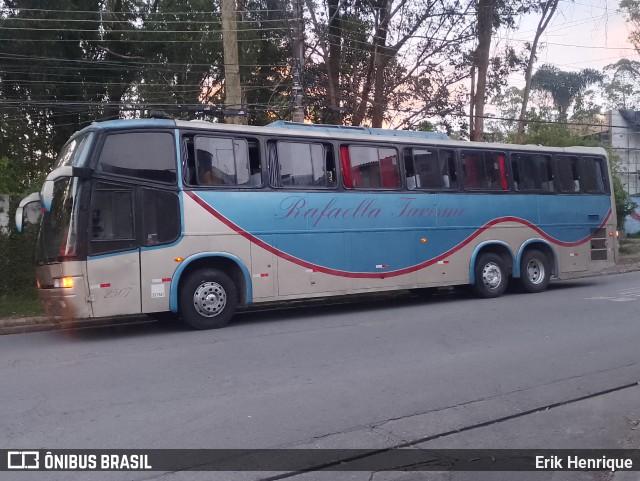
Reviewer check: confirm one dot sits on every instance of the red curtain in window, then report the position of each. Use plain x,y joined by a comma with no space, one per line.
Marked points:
389,173
346,166
503,173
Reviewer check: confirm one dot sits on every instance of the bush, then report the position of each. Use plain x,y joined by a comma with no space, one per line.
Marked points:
16,256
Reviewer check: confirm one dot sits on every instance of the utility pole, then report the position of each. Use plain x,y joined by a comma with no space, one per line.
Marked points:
234,113
298,62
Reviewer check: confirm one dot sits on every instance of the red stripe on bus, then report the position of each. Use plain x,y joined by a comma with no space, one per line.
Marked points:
374,275
102,286
166,279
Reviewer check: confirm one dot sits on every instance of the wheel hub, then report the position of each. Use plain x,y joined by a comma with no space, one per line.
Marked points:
491,275
535,271
209,299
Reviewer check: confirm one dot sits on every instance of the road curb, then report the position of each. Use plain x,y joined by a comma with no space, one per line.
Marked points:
24,325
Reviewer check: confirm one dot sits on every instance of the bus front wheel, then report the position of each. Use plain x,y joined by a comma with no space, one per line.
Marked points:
535,272
208,299
491,276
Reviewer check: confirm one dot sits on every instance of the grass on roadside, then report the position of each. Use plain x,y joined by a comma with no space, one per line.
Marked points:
19,305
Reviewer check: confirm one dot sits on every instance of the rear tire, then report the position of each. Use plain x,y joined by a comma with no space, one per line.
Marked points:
535,271
208,299
491,276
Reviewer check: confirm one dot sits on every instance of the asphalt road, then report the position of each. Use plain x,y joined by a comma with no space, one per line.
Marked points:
358,375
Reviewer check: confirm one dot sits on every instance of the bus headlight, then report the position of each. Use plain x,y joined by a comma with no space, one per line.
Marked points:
66,282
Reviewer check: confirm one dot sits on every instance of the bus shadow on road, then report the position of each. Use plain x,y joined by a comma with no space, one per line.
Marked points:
304,310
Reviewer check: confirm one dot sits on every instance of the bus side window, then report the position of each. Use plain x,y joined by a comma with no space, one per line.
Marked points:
160,216
189,159
432,169
532,172
484,170
255,166
568,173
367,167
223,161
330,163
449,170
594,175
296,164
142,155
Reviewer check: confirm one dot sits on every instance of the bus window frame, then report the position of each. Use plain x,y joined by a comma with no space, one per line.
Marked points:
193,133
456,161
605,177
557,173
462,176
552,164
377,145
136,221
310,141
96,152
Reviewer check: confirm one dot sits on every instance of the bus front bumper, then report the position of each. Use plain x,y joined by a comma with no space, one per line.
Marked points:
66,302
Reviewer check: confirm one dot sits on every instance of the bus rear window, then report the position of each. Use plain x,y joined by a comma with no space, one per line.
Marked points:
594,175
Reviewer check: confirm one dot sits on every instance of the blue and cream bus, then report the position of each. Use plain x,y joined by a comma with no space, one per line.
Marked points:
197,219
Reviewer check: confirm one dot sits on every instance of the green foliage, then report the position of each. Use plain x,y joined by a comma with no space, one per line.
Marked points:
19,305
563,86
16,249
622,86
624,204
16,257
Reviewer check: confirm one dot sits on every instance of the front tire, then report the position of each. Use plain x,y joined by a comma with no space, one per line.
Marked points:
491,276
208,299
535,271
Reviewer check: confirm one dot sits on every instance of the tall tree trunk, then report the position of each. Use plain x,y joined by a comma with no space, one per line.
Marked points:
485,27
548,10
382,60
375,74
333,115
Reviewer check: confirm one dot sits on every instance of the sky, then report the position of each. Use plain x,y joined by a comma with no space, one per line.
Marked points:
584,33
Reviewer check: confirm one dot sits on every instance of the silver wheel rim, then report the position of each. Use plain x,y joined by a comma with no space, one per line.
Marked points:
209,299
491,275
535,271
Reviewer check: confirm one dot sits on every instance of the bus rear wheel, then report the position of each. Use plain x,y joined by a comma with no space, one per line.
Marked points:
491,276
535,272
208,299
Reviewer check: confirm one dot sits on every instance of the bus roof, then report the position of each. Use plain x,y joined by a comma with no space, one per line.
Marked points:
349,129
286,129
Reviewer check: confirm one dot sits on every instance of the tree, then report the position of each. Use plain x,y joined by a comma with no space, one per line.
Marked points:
631,8
480,64
563,86
622,85
381,54
547,10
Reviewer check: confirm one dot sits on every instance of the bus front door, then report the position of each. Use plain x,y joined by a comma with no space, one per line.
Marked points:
113,263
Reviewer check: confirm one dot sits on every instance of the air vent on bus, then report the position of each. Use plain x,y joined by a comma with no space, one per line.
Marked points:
599,245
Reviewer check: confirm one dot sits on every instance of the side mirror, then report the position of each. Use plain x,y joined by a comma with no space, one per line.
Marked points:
46,194
20,211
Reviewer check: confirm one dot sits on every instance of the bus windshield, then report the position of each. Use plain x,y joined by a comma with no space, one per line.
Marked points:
73,152
57,235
